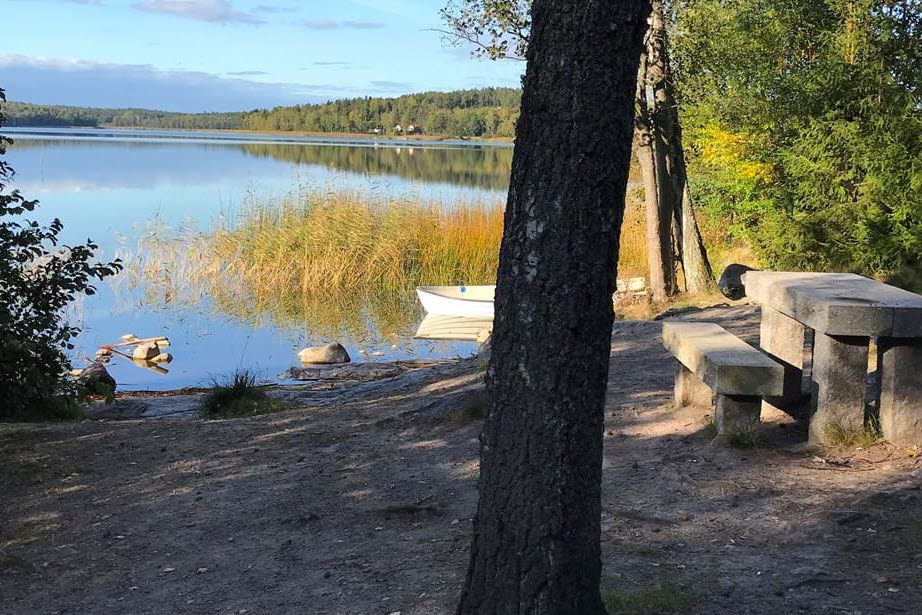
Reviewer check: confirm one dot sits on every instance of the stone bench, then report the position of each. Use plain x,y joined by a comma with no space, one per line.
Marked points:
714,362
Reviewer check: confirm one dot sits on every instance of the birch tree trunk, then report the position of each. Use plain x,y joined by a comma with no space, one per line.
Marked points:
536,539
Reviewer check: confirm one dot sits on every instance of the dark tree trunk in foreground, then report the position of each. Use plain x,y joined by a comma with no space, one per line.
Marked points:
536,535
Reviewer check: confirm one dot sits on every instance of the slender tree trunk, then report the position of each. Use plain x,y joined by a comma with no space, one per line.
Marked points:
654,168
657,250
536,534
672,177
699,277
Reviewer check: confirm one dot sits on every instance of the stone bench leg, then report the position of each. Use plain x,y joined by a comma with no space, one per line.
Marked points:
899,363
840,370
690,390
738,414
783,339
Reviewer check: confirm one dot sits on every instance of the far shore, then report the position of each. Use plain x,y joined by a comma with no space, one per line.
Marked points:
297,133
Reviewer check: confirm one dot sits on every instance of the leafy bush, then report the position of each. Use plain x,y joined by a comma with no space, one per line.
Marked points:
805,119
38,279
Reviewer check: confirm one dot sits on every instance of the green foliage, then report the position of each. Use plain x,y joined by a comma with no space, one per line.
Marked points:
497,29
805,120
489,112
38,279
239,397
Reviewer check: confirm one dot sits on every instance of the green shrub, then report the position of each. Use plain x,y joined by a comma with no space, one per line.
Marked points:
804,121
38,279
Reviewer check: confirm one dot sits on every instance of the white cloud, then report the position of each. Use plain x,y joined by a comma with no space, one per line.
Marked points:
324,24
215,11
66,81
85,83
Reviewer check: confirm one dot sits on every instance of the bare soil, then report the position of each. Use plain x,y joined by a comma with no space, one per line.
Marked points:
364,507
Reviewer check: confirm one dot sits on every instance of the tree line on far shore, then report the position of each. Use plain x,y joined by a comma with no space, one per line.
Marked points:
479,113
488,112
61,116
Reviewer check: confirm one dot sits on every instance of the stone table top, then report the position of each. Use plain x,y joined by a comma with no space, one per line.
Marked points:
838,303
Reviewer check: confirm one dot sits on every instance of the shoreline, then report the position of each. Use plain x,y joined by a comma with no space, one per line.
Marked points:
344,136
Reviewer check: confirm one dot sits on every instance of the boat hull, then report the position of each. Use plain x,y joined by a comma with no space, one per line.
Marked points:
460,301
457,328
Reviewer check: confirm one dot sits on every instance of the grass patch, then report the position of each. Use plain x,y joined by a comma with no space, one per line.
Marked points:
53,408
710,426
474,409
743,439
240,396
838,434
660,599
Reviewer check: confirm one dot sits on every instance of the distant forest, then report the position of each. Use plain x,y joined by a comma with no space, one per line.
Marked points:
27,114
489,112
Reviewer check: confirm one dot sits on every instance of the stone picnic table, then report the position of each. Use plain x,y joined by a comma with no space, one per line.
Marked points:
846,312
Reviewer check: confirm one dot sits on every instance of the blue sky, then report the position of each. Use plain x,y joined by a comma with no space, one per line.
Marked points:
227,55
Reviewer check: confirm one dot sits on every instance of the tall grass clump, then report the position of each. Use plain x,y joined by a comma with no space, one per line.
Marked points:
346,243
239,396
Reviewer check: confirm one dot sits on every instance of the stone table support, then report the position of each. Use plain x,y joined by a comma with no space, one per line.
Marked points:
899,363
840,369
783,339
845,311
738,414
690,390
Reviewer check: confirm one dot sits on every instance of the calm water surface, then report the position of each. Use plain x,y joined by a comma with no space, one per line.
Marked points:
115,186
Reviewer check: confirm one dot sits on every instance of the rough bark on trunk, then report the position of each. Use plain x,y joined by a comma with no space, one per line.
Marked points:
536,534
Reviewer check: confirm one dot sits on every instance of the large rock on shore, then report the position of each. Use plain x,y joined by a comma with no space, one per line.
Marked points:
731,282
329,354
97,380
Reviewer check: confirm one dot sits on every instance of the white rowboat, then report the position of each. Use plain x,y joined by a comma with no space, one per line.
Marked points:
463,301
477,301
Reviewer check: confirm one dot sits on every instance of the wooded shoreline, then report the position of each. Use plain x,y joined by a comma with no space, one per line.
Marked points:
345,136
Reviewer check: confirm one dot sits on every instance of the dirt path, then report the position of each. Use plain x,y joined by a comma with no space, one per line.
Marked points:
366,507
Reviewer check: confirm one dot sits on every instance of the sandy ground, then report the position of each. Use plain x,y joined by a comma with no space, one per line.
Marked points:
365,507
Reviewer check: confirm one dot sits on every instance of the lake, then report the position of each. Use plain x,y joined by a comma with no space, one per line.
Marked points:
128,189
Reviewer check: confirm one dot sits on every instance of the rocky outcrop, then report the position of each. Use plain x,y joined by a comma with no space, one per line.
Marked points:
329,354
731,282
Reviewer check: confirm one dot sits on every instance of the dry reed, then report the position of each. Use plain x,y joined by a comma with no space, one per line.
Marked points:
336,261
